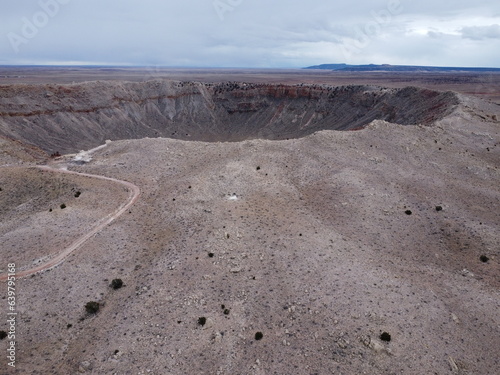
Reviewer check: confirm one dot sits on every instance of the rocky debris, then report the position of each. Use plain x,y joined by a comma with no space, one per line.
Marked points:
85,366
375,345
453,365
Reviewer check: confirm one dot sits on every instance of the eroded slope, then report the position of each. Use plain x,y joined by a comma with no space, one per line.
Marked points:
68,118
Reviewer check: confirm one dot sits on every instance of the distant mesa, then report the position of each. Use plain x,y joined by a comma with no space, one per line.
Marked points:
398,68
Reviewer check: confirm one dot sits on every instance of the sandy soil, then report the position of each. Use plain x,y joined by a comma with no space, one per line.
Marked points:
308,241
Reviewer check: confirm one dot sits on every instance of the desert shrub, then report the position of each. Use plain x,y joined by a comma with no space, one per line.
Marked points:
92,307
385,337
484,258
63,206
439,208
116,283
202,321
259,336
3,335
408,212
77,194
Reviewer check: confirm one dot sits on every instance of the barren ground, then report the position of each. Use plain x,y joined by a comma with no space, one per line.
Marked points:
307,241
484,85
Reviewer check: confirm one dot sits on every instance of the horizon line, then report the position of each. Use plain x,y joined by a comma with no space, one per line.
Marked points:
118,65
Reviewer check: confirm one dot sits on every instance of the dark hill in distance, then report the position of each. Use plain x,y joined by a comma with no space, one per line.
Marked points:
398,68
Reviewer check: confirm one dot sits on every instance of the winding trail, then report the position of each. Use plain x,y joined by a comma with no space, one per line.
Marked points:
134,193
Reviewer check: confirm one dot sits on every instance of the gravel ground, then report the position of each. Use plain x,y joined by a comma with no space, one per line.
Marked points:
303,256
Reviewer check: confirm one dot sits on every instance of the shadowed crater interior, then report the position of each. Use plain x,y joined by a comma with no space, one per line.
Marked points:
68,118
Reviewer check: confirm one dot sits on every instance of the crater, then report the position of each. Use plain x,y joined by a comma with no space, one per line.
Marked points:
69,118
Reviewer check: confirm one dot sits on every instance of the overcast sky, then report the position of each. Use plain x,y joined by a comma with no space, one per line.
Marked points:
250,33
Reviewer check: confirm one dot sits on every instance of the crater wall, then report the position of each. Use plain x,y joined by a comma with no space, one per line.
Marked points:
68,118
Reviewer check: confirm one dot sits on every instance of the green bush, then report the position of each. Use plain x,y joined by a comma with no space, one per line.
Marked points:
116,284
385,337
92,307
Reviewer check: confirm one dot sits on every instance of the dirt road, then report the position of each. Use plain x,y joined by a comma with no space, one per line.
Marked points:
134,193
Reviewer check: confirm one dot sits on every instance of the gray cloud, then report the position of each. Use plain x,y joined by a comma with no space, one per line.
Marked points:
481,32
261,33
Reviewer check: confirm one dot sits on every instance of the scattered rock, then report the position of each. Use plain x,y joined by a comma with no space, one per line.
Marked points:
85,366
466,272
453,365
376,346
217,337
208,324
